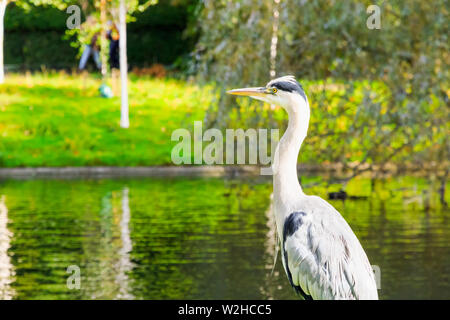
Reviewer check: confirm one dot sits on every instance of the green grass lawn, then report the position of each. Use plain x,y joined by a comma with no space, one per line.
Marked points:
60,120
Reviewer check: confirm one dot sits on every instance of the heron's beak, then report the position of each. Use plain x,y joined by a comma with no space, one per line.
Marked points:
249,92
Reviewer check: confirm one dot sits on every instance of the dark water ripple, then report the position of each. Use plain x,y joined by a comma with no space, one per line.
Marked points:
195,239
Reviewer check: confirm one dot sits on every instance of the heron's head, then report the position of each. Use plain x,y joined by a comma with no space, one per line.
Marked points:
285,92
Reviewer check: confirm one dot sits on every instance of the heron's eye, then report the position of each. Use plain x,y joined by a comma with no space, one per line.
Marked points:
274,90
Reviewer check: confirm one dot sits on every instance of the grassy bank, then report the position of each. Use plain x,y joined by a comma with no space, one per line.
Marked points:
60,120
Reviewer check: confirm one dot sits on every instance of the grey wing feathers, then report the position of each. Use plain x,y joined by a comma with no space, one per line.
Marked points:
322,256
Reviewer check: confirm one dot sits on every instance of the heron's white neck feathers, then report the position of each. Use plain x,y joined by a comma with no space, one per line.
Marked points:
285,178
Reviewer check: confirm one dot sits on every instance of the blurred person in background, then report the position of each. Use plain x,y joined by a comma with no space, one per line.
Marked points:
91,31
113,37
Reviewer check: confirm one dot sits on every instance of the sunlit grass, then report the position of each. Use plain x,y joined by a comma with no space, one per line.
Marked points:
61,120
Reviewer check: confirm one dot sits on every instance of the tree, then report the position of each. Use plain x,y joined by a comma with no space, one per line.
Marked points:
119,11
234,45
60,4
378,96
124,117
3,5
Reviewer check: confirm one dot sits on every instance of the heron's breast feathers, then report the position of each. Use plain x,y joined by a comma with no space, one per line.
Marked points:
324,258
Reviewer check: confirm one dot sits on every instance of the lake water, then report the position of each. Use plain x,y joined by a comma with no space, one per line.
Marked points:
198,238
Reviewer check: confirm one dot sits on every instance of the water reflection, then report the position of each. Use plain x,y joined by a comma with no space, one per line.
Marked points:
199,239
124,263
6,268
108,258
272,251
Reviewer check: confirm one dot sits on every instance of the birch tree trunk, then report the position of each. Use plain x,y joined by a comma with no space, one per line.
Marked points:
124,119
3,4
103,40
274,42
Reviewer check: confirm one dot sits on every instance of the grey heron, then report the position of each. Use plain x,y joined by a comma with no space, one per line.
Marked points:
321,255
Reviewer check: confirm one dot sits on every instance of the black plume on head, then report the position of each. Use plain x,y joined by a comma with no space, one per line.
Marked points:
288,84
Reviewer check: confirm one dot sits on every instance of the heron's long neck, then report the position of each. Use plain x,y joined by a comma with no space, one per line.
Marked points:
286,184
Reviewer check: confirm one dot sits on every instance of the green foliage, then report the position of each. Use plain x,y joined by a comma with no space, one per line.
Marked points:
392,104
37,49
36,36
19,19
157,34
59,4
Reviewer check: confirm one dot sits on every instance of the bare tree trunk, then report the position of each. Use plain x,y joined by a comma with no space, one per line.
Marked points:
273,47
274,40
103,42
2,28
124,119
